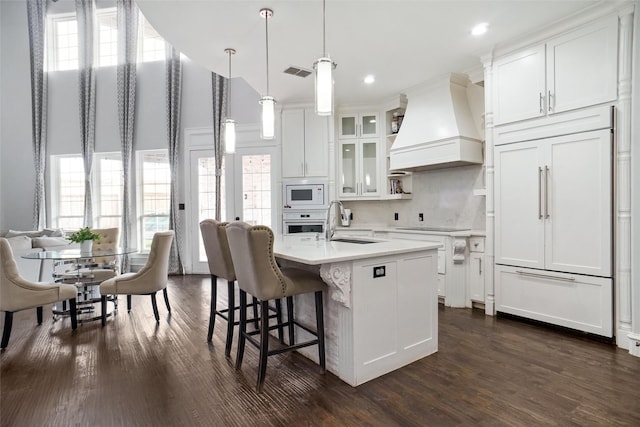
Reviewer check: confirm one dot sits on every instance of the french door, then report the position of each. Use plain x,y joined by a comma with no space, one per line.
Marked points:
247,193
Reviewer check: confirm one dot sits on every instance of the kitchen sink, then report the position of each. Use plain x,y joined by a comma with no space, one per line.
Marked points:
357,241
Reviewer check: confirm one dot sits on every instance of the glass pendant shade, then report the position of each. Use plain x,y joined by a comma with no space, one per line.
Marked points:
324,86
229,136
268,130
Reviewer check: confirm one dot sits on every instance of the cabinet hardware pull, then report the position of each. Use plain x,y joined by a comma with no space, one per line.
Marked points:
306,168
546,191
539,192
549,101
545,276
541,108
480,265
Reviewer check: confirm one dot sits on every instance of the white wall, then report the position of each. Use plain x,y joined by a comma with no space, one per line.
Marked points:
17,175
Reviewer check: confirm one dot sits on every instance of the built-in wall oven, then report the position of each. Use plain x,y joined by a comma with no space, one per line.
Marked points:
303,222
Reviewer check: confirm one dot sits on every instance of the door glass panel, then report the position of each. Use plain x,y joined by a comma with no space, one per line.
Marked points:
348,127
256,189
369,125
348,168
207,195
369,161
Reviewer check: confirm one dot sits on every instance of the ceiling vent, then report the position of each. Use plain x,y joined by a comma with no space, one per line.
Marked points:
295,71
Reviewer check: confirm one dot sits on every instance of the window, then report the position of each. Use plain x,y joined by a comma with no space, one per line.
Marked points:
107,38
63,51
109,183
63,36
154,194
68,192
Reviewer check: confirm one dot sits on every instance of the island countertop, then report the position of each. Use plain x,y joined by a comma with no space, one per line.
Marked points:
307,250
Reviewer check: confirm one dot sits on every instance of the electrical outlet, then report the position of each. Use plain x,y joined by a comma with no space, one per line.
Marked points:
395,216
420,216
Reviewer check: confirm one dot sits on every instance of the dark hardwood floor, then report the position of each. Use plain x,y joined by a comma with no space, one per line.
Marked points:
488,372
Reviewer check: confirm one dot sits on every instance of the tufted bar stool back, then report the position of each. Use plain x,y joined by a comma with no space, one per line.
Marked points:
260,276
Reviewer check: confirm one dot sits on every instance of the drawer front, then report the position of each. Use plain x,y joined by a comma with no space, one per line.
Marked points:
476,244
570,300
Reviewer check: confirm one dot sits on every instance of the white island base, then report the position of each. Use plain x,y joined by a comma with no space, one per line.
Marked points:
373,325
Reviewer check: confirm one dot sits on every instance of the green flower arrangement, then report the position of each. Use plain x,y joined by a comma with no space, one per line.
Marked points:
84,234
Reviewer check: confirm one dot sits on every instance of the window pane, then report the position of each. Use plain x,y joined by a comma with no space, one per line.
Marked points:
152,44
154,194
70,191
109,187
65,44
107,38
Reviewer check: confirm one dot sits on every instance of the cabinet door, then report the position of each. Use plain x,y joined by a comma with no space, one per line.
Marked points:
316,144
348,126
476,276
293,143
582,66
368,125
347,181
520,90
369,177
578,214
518,204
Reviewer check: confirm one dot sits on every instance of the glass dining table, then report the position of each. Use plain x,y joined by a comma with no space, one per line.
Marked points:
86,270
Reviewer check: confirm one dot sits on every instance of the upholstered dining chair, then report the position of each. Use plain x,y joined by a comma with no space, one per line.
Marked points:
260,276
150,279
18,294
216,246
102,268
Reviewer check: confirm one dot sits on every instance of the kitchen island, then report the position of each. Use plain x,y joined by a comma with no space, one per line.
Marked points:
382,310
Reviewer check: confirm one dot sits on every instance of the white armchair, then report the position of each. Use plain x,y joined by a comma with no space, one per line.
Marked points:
150,279
17,294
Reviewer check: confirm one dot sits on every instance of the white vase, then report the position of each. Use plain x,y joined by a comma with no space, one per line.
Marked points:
86,246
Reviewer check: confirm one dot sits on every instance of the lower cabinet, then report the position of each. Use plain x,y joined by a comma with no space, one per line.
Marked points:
395,320
476,277
570,300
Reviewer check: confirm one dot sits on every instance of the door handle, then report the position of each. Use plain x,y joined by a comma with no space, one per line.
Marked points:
546,191
539,192
540,102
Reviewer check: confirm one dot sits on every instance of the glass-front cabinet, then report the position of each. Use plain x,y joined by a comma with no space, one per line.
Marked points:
359,169
358,125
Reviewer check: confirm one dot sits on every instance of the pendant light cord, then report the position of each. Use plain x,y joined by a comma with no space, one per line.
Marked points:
229,82
266,32
324,18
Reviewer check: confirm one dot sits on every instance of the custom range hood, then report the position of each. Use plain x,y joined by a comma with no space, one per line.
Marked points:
438,129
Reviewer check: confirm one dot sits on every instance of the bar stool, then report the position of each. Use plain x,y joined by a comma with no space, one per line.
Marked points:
216,246
252,248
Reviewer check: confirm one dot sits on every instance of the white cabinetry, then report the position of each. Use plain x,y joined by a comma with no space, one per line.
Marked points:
396,317
304,143
476,269
358,169
358,125
553,203
574,70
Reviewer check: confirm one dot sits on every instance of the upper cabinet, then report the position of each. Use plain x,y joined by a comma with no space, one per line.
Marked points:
358,125
304,143
358,169
574,70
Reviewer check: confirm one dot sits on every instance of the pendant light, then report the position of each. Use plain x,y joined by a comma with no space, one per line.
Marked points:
268,103
229,123
324,76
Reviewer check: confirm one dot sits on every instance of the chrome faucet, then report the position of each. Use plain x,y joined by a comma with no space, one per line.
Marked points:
329,226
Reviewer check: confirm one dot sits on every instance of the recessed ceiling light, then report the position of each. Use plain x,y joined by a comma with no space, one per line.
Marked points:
369,79
479,29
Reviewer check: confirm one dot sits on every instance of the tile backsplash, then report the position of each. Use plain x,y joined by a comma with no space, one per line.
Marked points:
444,196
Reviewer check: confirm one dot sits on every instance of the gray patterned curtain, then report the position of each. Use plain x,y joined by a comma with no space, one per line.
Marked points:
219,86
87,98
126,81
37,13
174,99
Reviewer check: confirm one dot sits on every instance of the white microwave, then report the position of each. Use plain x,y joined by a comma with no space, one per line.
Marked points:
305,194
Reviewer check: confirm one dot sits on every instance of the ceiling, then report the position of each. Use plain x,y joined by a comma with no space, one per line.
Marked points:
401,42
